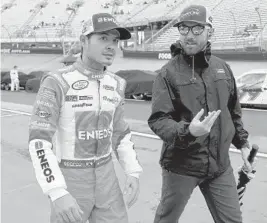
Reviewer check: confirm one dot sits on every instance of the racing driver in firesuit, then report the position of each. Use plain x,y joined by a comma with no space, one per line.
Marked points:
77,121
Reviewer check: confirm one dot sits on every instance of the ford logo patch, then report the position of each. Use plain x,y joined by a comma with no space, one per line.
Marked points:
79,85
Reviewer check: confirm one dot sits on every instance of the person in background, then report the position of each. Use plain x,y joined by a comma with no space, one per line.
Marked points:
84,105
14,77
197,114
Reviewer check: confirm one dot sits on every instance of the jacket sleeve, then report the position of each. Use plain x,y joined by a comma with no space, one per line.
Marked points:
240,139
161,120
43,125
122,144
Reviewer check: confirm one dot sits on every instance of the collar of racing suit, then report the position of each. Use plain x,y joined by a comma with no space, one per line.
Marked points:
90,72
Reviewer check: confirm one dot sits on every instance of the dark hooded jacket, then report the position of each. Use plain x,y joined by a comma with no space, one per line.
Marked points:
184,86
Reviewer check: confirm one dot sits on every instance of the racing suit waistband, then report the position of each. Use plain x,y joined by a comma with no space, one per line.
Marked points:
83,164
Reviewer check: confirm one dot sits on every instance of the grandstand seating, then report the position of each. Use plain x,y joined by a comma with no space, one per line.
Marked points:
15,16
54,12
230,16
153,13
53,15
131,11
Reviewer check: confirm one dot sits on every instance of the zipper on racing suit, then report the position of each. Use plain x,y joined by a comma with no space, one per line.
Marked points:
99,110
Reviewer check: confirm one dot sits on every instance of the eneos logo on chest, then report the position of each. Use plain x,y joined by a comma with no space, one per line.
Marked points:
79,85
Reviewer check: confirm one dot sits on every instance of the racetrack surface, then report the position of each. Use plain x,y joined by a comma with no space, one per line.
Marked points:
23,201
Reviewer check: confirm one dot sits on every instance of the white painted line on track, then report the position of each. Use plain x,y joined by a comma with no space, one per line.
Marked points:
135,100
10,115
254,109
19,189
16,112
146,135
156,137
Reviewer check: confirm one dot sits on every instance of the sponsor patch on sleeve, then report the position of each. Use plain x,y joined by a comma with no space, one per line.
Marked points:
113,100
44,164
220,71
44,103
40,125
48,93
108,87
42,114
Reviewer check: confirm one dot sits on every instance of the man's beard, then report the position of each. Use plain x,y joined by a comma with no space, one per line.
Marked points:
192,49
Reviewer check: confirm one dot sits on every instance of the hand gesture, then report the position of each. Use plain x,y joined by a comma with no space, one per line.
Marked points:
199,128
131,190
67,210
245,151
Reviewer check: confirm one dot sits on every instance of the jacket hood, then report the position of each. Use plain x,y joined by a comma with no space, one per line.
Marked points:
200,60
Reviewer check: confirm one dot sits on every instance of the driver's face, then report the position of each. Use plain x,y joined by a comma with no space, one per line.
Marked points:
101,47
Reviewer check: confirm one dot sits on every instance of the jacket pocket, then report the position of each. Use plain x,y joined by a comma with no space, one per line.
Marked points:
222,84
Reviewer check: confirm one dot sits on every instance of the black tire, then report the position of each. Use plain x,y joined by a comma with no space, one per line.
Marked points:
6,87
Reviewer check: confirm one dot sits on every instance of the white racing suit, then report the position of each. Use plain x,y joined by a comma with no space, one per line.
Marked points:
14,78
77,120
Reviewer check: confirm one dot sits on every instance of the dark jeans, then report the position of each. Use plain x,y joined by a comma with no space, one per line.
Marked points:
220,194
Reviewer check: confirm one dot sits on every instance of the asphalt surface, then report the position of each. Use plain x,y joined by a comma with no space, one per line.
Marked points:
23,201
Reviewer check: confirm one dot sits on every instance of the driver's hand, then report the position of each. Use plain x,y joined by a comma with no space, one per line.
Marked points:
131,190
67,210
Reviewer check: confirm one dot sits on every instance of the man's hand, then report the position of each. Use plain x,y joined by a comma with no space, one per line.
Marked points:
67,210
131,190
245,153
199,128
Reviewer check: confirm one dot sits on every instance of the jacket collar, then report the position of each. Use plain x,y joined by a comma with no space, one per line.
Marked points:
89,72
199,60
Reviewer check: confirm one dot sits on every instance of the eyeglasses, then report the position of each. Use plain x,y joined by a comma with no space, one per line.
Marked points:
196,30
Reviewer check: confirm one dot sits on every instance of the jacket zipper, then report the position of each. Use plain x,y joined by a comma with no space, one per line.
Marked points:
193,79
207,107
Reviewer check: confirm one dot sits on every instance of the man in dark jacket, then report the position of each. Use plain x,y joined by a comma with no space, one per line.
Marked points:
195,150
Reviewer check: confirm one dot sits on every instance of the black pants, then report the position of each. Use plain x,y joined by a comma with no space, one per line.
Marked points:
220,194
